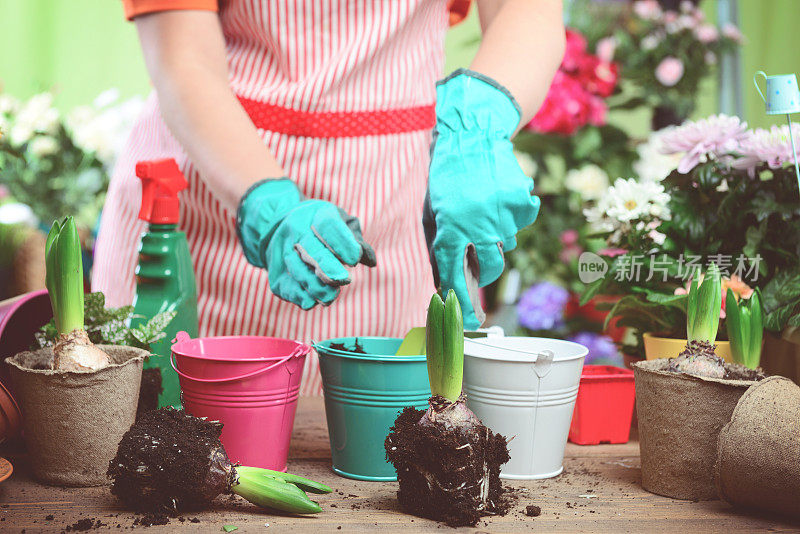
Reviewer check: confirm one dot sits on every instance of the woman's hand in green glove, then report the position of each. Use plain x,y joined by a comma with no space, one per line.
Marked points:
304,244
478,197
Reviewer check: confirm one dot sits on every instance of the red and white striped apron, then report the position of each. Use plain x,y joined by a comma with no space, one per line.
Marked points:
308,72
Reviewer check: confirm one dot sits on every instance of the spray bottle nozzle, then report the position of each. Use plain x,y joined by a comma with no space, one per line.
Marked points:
161,181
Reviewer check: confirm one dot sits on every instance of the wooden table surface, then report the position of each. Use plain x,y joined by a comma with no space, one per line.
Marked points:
599,491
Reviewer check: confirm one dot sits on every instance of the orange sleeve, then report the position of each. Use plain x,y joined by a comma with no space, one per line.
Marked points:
458,10
134,8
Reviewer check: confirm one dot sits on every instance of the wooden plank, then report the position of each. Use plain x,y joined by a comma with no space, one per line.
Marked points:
608,472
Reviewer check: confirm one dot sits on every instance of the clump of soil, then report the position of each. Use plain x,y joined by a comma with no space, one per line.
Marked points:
150,518
448,463
87,523
533,511
149,391
170,461
359,349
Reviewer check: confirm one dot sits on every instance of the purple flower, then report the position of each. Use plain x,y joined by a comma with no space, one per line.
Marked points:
716,137
541,307
601,348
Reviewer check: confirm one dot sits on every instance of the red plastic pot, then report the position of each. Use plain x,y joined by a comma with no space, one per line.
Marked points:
604,407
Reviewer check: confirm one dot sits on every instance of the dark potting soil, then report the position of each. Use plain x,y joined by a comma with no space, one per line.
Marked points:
149,391
341,346
439,470
149,519
87,523
170,461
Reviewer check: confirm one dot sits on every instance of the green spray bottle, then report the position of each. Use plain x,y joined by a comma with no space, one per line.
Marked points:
164,275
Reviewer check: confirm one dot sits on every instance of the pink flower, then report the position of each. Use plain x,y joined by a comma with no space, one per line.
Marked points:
718,136
732,32
606,48
598,111
575,49
647,9
771,147
670,71
569,237
611,252
706,33
575,97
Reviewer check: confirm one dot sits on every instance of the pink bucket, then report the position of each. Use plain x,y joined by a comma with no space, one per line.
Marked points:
250,384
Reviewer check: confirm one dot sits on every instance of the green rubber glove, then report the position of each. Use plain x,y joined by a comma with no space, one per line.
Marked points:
303,244
478,197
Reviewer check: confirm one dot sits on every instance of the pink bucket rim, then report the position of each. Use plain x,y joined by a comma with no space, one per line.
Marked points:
178,351
15,303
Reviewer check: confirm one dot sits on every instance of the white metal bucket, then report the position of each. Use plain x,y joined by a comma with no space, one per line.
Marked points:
525,388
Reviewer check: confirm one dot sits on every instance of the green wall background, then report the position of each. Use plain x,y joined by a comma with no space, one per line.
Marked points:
78,48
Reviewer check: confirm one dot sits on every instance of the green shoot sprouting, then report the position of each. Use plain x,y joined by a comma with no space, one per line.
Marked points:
64,275
704,306
280,491
745,324
444,337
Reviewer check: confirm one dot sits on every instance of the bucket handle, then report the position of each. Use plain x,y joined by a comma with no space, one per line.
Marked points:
295,352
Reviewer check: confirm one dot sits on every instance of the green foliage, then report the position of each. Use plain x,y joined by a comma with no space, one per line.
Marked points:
66,181
642,44
109,326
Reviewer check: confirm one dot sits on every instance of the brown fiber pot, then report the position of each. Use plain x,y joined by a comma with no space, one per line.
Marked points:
680,417
758,462
73,422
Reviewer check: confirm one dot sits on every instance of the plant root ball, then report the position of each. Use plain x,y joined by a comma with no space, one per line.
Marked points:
447,473
74,352
698,359
170,461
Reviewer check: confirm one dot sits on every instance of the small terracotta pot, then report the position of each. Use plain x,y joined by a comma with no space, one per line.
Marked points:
666,347
73,422
680,417
10,416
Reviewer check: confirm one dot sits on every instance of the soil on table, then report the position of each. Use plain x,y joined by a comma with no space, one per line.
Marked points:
341,346
149,391
170,461
440,470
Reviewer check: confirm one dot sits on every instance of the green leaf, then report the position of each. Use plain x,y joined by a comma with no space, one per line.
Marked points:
591,291
588,141
434,343
229,528
781,299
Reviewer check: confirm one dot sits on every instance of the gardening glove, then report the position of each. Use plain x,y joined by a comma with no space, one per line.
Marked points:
478,197
303,244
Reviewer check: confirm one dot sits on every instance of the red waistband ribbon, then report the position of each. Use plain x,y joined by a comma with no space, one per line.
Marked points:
338,123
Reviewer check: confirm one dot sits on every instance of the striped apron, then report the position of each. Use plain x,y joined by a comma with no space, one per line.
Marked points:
342,93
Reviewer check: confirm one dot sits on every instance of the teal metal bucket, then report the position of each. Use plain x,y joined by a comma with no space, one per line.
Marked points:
363,395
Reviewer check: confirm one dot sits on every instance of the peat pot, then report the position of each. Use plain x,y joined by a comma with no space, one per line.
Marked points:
758,454
73,422
680,417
